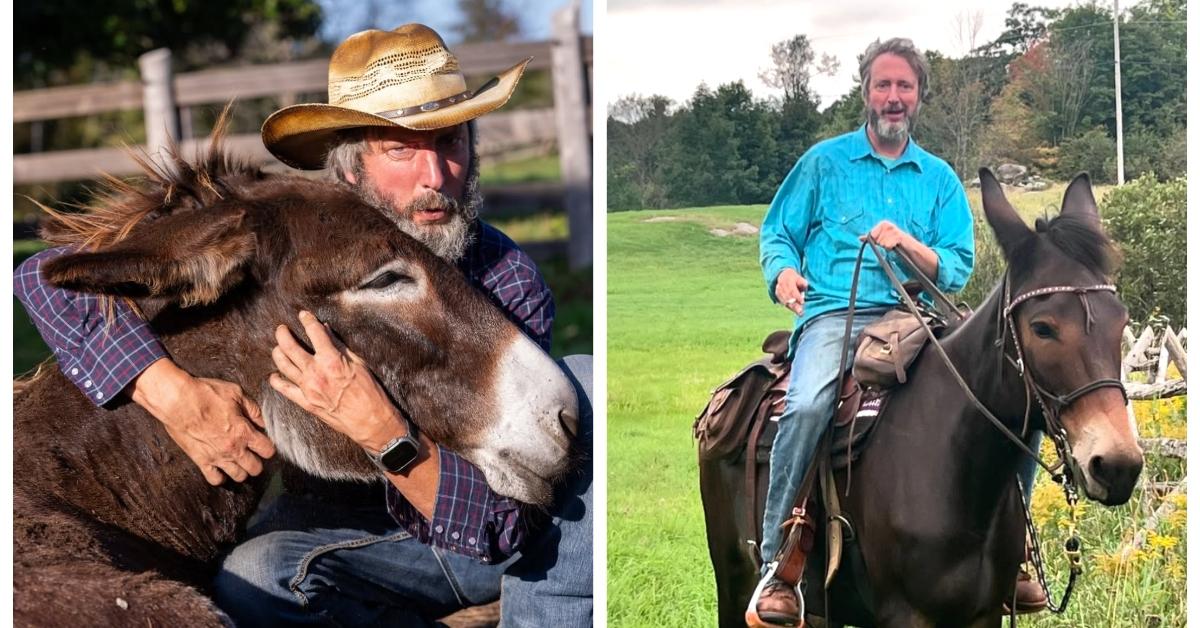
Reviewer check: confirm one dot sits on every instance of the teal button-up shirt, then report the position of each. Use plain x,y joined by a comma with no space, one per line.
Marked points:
837,192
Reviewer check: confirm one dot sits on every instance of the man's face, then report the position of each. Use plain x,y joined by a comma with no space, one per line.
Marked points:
892,98
422,178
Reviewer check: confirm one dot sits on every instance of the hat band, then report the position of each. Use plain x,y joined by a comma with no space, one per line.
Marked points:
432,105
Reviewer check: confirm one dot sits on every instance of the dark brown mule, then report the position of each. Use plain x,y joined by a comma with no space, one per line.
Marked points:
933,504
114,525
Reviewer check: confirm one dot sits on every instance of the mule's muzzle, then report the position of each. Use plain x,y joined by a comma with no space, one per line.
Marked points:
1110,478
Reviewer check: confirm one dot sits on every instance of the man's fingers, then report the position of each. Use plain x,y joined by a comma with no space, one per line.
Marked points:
289,390
211,474
286,367
253,412
249,463
235,472
260,444
318,335
292,349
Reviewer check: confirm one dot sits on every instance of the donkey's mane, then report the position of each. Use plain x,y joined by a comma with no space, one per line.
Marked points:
1078,237
118,205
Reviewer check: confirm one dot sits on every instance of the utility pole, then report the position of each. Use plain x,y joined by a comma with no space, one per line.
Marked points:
1117,74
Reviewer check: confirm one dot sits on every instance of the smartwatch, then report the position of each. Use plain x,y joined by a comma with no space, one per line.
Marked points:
399,453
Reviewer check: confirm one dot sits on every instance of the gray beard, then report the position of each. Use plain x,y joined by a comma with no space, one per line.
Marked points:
448,241
891,133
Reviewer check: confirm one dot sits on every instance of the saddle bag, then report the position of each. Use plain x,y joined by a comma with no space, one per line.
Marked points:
888,346
723,427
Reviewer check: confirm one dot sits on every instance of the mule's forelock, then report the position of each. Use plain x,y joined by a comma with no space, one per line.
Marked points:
1080,238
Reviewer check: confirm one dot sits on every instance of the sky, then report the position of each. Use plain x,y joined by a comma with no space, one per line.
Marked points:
669,47
344,17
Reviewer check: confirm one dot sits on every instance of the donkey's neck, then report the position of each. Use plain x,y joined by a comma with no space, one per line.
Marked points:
988,458
977,351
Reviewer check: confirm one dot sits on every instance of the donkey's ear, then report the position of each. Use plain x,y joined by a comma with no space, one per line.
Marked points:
1010,230
1078,199
190,258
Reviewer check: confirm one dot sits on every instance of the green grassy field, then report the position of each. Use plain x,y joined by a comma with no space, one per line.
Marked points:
685,310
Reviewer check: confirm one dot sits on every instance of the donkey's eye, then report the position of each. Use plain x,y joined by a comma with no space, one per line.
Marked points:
385,279
1042,330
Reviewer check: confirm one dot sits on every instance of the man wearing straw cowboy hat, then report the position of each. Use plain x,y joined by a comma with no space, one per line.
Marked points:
399,129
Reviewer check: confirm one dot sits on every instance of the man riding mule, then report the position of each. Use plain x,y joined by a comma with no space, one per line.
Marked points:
399,131
876,183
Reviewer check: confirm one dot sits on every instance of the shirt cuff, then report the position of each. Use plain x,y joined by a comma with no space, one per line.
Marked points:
112,356
468,518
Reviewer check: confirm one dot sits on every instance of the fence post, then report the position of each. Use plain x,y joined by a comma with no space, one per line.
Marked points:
574,141
158,101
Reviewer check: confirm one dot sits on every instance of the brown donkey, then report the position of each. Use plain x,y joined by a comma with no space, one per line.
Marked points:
113,524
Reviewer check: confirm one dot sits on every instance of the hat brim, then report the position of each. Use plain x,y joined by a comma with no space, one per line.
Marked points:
301,135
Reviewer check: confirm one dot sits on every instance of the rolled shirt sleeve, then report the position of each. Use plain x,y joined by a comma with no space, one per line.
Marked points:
99,354
785,227
469,517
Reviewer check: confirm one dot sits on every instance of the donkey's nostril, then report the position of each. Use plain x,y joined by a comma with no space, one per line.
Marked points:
569,421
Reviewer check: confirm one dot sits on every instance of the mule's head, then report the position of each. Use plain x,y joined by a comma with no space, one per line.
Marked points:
1070,339
263,248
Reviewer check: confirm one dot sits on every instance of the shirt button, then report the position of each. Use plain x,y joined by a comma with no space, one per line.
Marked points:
471,540
99,395
87,384
454,535
74,371
438,529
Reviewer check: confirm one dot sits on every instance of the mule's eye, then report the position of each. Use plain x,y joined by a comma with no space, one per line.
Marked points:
1042,330
385,279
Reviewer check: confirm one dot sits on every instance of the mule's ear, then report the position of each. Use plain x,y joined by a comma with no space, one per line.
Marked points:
1010,230
1078,199
190,258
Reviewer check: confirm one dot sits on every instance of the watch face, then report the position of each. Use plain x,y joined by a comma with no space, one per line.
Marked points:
397,457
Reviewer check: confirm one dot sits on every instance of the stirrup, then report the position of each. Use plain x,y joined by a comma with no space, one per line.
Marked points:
752,618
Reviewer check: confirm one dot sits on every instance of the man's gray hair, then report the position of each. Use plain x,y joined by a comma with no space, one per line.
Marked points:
901,47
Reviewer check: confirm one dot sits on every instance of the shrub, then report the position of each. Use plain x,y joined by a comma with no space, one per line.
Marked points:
1092,153
1148,220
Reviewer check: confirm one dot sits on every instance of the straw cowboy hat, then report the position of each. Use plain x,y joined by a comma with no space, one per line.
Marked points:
403,78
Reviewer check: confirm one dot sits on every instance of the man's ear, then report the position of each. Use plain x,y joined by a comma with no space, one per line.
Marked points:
189,258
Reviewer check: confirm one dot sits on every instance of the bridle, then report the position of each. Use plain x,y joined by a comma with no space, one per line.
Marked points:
1052,404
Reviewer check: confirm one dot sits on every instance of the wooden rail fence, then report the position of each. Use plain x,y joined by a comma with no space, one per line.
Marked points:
167,100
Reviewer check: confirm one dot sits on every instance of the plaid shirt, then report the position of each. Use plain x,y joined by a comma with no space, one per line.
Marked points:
469,518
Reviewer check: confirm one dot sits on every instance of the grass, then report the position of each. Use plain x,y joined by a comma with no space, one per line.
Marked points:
686,309
525,170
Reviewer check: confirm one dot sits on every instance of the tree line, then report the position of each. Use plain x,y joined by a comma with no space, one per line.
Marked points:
1041,94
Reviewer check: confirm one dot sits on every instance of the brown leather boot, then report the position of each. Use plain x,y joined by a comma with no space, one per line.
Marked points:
1030,596
777,606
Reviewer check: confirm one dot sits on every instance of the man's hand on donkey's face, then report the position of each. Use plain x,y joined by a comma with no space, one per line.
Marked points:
333,384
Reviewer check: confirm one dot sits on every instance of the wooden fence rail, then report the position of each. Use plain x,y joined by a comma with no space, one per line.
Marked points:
167,100
1153,353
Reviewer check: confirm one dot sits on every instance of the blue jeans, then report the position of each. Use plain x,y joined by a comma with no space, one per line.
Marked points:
1027,468
811,399
310,563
